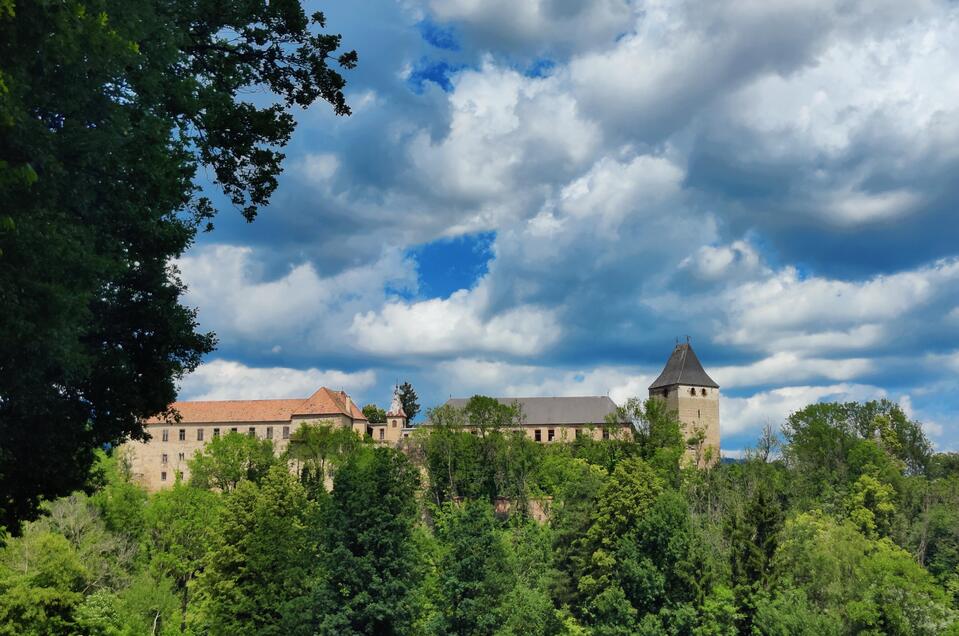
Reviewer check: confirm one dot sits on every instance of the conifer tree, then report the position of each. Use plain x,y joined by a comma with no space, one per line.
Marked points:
409,400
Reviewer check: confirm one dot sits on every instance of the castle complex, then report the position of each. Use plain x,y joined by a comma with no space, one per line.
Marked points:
684,385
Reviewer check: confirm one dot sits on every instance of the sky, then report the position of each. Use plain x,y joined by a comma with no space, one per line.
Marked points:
540,197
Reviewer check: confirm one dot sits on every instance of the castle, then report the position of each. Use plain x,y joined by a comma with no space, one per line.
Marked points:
683,384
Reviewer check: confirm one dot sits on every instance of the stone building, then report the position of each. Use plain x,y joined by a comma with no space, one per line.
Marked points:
684,384
156,463
561,419
694,397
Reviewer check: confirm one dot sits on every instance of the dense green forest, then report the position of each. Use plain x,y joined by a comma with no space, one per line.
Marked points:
847,523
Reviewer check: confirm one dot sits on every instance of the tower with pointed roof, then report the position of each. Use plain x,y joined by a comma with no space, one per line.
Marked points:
396,419
694,397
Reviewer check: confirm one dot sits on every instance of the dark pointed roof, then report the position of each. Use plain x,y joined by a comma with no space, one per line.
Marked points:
683,367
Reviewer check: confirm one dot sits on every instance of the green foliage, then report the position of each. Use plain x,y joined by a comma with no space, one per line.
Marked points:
226,461
262,557
108,110
374,414
179,528
647,548
41,584
409,400
317,450
368,550
472,580
864,585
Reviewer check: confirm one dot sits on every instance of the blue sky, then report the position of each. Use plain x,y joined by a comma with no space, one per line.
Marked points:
538,198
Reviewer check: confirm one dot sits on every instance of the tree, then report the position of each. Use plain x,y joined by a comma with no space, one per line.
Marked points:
261,562
863,585
227,460
179,527
409,400
489,414
41,584
318,449
108,108
473,579
374,414
368,553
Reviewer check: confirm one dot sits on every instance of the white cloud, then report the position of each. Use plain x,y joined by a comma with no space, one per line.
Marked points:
787,310
743,415
503,131
300,309
787,368
228,380
462,377
454,325
318,168
535,26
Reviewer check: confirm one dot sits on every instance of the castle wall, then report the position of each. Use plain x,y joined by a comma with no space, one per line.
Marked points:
155,464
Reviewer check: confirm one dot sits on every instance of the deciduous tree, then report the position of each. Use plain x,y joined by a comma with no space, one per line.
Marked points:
108,108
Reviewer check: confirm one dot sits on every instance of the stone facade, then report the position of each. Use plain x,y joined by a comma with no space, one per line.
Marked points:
683,384
550,420
157,463
694,397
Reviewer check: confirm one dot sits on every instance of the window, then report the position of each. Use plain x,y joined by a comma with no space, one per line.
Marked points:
382,432
394,423
181,457
252,431
550,434
166,435
692,391
703,392
538,435
579,433
286,432
233,429
163,458
699,413
179,474
269,432
605,433
182,434
199,434
216,432
163,475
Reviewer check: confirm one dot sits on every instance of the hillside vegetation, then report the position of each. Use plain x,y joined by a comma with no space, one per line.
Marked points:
846,524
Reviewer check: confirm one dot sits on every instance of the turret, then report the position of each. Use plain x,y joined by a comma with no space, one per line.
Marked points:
395,418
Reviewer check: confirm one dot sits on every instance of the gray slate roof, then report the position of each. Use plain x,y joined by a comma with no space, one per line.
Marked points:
683,367
557,410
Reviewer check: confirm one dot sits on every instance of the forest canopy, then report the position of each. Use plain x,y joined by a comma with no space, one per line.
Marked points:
847,524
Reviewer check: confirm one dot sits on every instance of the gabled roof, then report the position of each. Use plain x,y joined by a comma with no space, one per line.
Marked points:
325,402
683,367
232,411
591,409
322,402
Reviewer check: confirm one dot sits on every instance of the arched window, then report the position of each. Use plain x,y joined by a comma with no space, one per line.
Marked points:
704,392
692,391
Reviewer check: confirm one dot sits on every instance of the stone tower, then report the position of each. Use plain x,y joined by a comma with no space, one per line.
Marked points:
694,397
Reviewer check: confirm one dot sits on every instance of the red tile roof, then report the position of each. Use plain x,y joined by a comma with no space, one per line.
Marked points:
323,402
